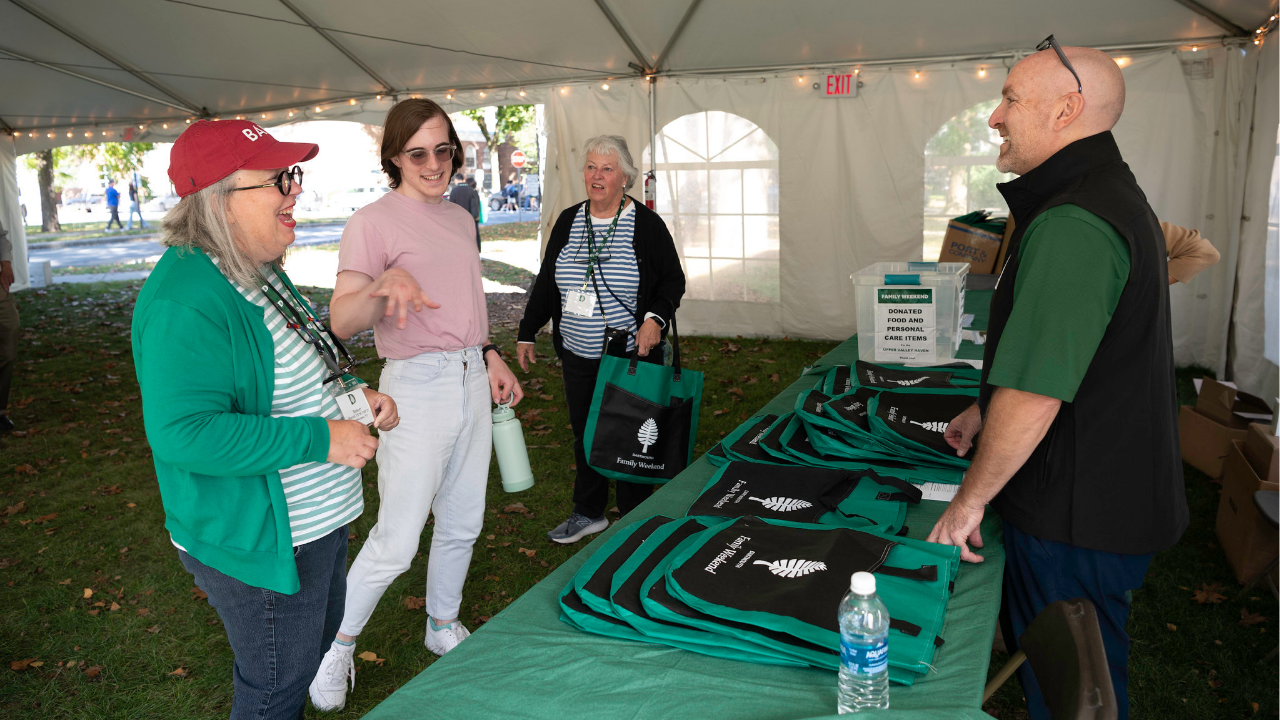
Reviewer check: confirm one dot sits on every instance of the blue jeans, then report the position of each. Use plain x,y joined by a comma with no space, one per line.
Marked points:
279,639
1040,572
135,209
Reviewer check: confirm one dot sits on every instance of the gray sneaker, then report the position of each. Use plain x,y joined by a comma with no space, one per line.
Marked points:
577,527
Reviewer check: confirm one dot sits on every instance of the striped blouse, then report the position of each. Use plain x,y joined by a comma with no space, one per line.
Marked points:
618,271
322,496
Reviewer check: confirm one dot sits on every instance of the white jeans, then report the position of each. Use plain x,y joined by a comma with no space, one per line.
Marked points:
435,461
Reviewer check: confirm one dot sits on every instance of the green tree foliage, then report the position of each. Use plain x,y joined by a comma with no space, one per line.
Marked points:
114,160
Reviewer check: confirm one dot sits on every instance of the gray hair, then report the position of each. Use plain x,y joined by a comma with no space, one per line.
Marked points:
612,145
199,220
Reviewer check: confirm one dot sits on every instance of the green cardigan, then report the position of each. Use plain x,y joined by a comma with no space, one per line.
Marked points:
206,365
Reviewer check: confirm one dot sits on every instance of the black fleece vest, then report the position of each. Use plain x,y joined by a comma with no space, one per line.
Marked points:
1108,474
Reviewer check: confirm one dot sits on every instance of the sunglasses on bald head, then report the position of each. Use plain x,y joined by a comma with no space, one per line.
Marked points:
1049,42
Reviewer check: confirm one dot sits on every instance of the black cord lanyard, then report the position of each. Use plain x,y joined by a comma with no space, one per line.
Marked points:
309,328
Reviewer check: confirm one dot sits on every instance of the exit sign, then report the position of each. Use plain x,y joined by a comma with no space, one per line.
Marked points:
838,86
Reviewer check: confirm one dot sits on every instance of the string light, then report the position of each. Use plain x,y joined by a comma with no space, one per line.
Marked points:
481,93
448,96
1122,61
800,79
68,134
164,126
917,75
352,101
379,97
188,121
140,127
604,86
982,72
856,71
564,90
264,116
1195,48
50,134
290,113
88,133
319,109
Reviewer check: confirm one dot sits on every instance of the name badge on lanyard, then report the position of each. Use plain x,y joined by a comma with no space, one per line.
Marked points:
581,303
351,400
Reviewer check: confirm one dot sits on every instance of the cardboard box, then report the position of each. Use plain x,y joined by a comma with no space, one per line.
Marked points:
1248,540
1262,450
1206,430
968,244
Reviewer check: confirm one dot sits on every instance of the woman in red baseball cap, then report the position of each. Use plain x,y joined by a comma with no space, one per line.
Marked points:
257,429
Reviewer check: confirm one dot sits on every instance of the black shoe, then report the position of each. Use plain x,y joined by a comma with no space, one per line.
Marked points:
6,425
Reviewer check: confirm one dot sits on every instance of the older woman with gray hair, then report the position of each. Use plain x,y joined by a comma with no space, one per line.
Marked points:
245,399
611,281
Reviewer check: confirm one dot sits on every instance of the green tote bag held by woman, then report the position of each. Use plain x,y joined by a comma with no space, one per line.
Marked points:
644,418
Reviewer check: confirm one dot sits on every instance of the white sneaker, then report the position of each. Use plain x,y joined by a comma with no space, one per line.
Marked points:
446,638
328,690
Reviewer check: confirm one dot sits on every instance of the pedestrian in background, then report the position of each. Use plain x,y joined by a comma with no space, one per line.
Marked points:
113,205
466,196
8,328
135,206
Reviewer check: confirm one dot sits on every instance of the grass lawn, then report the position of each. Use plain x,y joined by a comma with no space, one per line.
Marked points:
99,620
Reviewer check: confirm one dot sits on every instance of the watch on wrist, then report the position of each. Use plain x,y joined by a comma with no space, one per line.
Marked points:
485,350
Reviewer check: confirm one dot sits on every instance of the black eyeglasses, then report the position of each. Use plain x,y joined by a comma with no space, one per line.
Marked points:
443,153
284,181
1049,42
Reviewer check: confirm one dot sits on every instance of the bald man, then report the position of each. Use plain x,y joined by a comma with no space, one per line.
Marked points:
1078,450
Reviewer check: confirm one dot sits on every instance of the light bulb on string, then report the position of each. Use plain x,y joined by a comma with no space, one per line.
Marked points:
917,75
982,72
604,86
318,109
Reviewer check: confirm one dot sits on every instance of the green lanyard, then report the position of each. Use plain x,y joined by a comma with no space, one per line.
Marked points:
309,328
593,253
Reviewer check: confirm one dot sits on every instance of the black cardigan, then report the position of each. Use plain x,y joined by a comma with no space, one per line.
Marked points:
661,279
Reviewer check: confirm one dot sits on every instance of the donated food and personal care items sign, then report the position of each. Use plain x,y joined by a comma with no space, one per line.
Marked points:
906,324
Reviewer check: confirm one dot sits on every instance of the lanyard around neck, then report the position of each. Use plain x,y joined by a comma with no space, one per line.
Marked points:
299,318
593,252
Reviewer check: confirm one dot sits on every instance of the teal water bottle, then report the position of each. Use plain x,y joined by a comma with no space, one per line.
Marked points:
508,443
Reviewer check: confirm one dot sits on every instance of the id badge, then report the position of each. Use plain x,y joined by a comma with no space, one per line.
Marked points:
580,303
351,402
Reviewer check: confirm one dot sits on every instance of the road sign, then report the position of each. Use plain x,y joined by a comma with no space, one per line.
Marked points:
518,159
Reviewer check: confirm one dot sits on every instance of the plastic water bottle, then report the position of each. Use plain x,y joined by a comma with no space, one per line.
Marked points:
508,445
864,648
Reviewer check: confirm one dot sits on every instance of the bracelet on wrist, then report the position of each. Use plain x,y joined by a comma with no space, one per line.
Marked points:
485,351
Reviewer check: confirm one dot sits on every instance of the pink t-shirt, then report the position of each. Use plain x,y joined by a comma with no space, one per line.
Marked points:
436,244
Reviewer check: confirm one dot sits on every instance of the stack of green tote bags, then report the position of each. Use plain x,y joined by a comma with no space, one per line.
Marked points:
799,502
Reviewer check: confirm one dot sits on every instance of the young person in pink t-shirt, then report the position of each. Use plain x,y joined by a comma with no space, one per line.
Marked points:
408,267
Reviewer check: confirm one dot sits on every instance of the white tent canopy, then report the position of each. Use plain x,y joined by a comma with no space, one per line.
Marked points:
849,172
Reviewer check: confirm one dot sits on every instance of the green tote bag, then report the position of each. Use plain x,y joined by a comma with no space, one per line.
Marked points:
643,418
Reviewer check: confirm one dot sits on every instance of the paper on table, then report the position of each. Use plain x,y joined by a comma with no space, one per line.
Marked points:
966,320
945,492
977,337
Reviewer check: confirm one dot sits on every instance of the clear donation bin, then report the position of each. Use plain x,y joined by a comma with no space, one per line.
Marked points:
909,312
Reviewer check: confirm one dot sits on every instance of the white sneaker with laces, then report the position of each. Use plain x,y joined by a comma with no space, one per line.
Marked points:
336,675
446,638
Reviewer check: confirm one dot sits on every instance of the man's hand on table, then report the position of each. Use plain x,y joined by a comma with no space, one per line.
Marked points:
960,526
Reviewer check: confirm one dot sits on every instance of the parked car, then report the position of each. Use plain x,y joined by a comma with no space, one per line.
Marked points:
356,198
160,204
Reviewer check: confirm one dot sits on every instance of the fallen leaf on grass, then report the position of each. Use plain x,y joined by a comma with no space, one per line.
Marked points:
1208,593
718,413
1171,626
131,505
94,612
15,509
143,611
1247,618
44,518
515,508
181,672
736,391
197,594
774,377
25,469
415,603
114,606
369,656
1254,705
65,582
545,396
153,629
88,593
527,551
94,672
20,665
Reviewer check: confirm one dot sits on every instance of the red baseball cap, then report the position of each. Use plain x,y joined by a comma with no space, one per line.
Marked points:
210,150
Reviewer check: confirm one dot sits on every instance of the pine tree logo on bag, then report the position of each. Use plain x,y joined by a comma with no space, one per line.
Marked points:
783,504
909,382
648,434
931,426
792,568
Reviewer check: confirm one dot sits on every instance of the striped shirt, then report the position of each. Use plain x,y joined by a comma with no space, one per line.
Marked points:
322,496
618,270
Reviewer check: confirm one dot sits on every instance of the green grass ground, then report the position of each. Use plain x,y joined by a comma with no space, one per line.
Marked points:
99,620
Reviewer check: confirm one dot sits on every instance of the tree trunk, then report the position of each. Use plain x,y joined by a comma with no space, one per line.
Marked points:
48,206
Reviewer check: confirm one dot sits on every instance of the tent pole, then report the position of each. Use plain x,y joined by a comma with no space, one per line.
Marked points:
617,27
676,35
1213,17
653,129
386,86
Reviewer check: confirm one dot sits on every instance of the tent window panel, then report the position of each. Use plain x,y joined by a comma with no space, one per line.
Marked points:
697,278
691,189
726,236
760,191
726,191
692,231
760,238
960,173
761,281
718,192
727,280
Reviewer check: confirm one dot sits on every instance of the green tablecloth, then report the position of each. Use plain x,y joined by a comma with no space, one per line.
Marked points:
526,663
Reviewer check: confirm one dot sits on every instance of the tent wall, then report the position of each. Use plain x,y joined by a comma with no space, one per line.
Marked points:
11,212
852,173
1250,368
